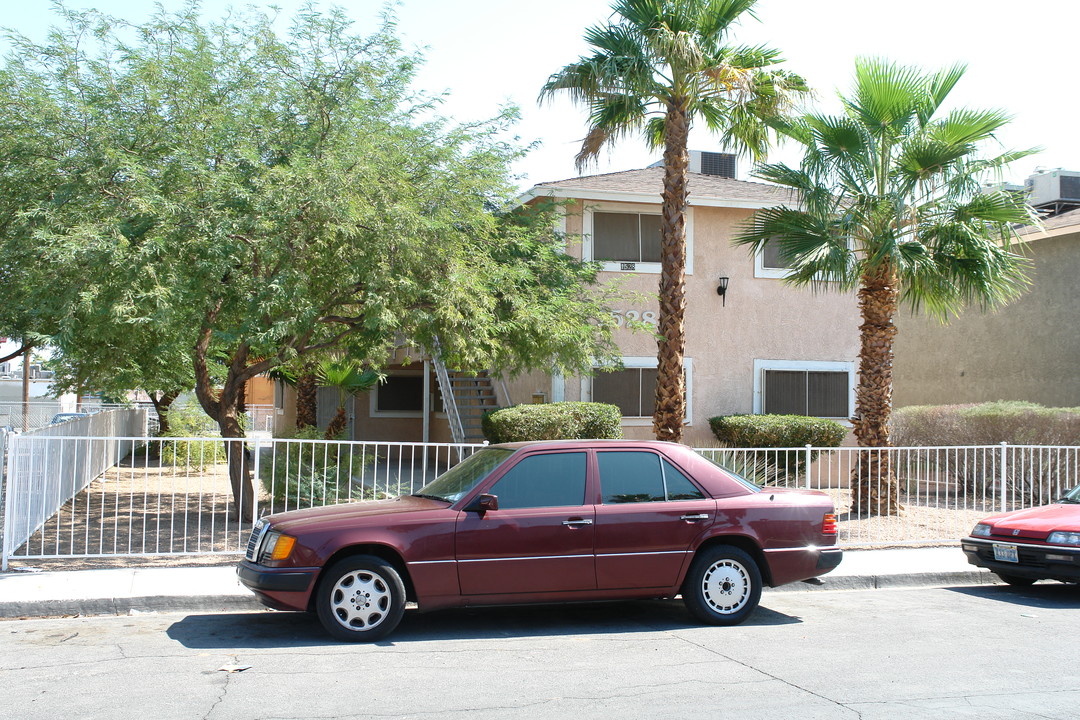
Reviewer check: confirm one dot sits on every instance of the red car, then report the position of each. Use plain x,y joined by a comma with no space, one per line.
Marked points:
546,522
1041,543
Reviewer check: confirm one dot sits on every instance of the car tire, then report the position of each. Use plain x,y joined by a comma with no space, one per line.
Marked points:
1015,580
723,586
361,598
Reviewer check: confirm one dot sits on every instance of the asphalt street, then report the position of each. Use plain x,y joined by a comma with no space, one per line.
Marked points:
978,651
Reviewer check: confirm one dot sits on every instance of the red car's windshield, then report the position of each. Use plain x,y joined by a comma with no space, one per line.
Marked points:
1073,496
456,482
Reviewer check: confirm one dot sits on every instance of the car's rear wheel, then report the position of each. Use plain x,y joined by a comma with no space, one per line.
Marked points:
1015,579
723,586
360,599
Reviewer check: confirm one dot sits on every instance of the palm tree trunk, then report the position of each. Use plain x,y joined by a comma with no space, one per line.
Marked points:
670,412
877,491
337,424
306,398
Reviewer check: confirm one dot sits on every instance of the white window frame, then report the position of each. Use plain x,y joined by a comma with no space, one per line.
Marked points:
648,362
373,405
760,366
632,209
760,271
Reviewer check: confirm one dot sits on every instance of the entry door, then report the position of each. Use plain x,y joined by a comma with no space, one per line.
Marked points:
650,515
540,539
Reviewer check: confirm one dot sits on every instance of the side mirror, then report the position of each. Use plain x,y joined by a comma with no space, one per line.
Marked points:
483,503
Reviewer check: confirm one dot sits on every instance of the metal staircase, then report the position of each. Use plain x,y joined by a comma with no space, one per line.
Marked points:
466,397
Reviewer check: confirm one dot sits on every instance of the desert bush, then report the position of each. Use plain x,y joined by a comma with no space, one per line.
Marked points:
775,431
189,421
312,474
1031,477
1018,423
553,421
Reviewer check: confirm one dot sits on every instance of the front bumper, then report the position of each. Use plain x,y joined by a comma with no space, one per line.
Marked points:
1040,562
279,588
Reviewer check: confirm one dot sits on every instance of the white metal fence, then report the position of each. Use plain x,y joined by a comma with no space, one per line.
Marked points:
137,496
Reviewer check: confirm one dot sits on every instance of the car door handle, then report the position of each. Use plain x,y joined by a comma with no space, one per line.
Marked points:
576,522
695,518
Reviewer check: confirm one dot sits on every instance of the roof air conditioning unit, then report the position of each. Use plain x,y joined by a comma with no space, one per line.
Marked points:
1053,186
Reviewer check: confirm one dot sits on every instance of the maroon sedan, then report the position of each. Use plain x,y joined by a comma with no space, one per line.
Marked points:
1040,543
546,522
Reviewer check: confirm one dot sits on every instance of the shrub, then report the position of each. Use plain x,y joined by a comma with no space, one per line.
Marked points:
312,474
1017,423
1020,423
775,431
553,421
187,421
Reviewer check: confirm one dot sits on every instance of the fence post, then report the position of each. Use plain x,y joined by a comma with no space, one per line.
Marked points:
1004,473
257,483
10,440
808,466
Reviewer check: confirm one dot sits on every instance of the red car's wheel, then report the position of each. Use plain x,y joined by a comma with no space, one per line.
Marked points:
723,586
360,599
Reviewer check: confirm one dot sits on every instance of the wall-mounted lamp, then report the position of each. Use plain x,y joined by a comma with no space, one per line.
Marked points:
721,289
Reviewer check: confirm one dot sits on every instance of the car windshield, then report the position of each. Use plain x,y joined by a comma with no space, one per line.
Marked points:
453,484
1073,496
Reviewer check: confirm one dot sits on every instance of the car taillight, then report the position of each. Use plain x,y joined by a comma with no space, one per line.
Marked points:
828,525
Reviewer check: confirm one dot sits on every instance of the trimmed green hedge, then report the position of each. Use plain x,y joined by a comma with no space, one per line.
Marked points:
553,421
775,431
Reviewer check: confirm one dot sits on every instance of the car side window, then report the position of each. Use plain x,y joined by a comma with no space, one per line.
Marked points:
550,480
678,485
627,477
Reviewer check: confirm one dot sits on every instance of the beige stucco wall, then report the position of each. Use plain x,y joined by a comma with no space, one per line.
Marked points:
763,318
1027,350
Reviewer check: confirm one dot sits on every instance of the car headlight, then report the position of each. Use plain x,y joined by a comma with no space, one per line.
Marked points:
1064,538
278,546
982,530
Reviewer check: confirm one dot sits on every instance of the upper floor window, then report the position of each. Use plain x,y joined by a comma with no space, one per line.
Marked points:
625,237
769,263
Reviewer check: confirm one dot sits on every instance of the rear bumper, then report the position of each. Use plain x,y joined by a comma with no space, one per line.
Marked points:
829,559
1040,562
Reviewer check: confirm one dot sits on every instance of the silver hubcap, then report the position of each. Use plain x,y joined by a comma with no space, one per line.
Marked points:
726,587
360,600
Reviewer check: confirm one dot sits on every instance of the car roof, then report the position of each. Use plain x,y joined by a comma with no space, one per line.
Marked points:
583,444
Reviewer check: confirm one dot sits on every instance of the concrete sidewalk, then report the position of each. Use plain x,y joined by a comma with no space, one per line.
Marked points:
216,589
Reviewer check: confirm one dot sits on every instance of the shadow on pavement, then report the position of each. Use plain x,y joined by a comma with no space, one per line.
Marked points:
264,630
1047,594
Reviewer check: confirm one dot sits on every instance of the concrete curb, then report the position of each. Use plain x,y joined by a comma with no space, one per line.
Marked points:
128,606
886,581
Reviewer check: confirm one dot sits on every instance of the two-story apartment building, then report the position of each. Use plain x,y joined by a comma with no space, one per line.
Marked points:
760,346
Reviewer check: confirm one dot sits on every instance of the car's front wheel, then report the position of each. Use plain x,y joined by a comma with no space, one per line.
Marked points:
360,599
723,586
1015,580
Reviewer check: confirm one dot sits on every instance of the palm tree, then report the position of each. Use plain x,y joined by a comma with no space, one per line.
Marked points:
891,207
349,380
658,66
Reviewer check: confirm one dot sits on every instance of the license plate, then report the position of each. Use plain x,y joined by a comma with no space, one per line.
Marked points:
1006,553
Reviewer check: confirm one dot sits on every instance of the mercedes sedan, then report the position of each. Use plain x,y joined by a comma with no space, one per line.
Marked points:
546,522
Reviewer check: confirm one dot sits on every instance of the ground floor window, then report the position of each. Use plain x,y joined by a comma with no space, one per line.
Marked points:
398,395
633,388
813,388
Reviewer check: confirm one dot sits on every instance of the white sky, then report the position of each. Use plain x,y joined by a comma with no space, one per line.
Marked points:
487,53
